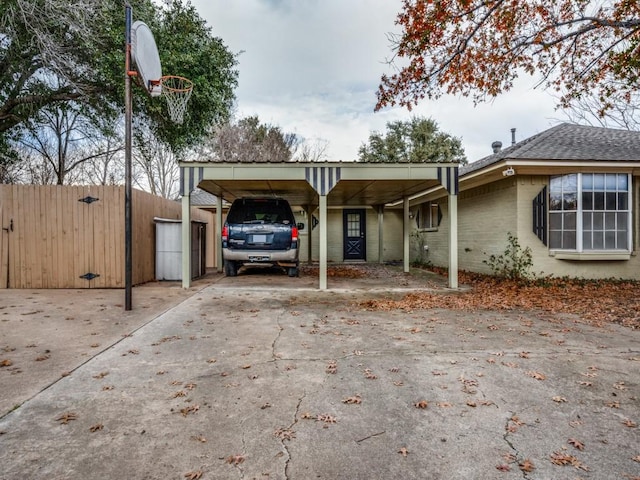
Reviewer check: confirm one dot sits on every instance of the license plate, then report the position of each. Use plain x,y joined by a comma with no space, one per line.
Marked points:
259,258
259,239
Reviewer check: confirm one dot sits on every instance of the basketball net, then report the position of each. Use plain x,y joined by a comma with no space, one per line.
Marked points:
177,90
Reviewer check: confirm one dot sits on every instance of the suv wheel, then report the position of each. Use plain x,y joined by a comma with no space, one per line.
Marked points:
292,271
230,268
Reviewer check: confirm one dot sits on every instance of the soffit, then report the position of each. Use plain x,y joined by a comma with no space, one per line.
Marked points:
359,184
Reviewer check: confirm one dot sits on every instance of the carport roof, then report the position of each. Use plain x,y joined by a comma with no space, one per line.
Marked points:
349,183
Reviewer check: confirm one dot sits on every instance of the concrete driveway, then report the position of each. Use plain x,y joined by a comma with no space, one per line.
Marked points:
280,382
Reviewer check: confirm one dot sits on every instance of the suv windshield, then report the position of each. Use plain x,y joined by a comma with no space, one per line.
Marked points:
260,211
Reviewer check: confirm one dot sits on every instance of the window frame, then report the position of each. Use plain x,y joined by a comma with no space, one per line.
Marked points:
579,251
428,222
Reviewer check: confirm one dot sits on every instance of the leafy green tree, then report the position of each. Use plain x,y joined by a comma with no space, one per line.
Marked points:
415,141
54,52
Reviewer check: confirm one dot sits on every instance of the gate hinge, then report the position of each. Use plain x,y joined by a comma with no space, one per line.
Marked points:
89,199
89,276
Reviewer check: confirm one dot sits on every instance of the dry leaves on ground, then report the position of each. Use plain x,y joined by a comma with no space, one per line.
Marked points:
596,301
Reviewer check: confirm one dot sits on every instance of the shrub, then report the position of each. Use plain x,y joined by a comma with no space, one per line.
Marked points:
514,263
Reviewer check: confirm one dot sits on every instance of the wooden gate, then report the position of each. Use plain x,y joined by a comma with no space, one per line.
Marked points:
73,236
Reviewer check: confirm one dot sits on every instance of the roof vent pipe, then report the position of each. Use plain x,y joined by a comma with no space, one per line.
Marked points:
513,136
496,146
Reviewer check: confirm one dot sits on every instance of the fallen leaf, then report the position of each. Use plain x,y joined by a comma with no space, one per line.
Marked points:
564,459
190,409
629,423
526,466
212,360
586,384
636,458
403,451
6,363
284,434
356,399
471,403
199,438
559,399
398,384
613,404
536,375
235,459
65,418
96,427
179,393
190,386
326,418
195,475
444,404
517,420
368,374
619,386
307,416
245,367
503,468
523,354
332,367
421,404
576,443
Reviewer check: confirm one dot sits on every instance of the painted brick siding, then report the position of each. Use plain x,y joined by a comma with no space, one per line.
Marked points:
485,215
392,236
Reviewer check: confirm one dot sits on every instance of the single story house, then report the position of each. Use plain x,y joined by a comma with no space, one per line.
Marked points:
571,194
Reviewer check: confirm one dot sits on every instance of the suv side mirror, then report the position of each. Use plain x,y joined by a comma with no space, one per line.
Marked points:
300,226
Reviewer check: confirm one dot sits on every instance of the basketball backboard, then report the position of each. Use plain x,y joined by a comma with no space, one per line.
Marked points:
144,54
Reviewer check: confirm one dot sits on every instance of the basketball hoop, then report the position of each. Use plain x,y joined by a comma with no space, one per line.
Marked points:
177,90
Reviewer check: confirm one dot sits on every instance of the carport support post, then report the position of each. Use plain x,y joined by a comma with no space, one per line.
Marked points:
186,240
323,242
218,239
405,234
453,241
309,212
380,233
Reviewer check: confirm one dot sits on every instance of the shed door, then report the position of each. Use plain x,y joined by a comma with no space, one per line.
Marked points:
354,227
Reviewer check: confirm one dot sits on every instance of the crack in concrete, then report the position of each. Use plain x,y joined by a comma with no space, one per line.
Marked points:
274,356
287,461
516,453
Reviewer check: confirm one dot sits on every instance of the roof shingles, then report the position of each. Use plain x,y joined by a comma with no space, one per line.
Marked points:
569,142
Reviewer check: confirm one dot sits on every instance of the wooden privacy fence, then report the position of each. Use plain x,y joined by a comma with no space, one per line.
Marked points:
62,236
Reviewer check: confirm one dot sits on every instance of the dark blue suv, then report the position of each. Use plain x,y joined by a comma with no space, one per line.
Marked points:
258,232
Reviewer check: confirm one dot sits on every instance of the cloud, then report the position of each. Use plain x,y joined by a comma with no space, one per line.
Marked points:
312,67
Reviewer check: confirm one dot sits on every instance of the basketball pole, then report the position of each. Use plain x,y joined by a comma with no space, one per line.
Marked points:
127,162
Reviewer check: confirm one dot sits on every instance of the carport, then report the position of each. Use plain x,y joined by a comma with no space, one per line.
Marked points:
317,186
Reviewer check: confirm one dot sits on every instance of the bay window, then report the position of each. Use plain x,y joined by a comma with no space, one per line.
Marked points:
590,212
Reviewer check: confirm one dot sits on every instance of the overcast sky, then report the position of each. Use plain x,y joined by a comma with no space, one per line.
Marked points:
312,67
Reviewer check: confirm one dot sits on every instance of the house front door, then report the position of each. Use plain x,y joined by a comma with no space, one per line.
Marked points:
354,228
